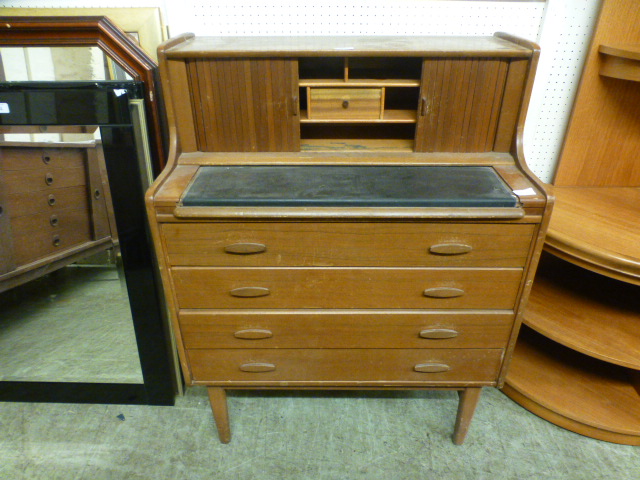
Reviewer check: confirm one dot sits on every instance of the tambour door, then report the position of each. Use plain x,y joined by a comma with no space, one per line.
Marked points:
460,103
245,105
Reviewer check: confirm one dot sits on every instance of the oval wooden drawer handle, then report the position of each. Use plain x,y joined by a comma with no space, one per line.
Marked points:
438,333
257,367
245,248
443,292
432,367
450,249
250,292
253,334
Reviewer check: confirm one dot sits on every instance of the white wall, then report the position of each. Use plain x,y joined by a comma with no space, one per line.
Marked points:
562,28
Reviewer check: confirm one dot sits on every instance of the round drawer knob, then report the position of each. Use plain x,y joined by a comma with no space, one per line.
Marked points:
51,200
56,241
46,159
54,220
48,178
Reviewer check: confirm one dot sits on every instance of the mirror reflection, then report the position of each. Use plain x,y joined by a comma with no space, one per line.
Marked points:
64,309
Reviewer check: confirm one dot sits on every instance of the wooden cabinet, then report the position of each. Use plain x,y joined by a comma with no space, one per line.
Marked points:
53,208
578,363
391,248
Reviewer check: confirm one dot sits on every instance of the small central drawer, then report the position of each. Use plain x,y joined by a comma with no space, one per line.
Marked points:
345,103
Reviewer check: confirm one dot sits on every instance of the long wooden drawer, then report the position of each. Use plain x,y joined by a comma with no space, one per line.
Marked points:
34,236
19,181
50,200
347,244
21,158
344,367
344,329
408,288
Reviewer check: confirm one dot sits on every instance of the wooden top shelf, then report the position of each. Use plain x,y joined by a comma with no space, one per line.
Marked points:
597,229
449,46
620,61
318,82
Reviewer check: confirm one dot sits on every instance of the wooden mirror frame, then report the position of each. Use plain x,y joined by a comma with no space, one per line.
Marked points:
102,33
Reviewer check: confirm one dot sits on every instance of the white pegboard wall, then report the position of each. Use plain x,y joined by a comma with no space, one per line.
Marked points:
353,17
564,43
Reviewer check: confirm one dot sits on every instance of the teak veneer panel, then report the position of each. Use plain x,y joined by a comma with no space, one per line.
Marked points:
348,244
200,287
603,138
343,367
345,328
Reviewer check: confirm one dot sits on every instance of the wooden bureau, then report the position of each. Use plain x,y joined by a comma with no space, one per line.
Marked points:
347,213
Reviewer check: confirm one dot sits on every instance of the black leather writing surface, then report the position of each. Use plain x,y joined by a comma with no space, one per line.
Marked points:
348,186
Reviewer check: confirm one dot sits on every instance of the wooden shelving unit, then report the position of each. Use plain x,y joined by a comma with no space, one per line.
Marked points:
578,363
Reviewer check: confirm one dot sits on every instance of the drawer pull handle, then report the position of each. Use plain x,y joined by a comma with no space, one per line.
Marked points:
438,333
52,200
257,367
54,220
253,334
345,104
443,292
46,159
450,249
432,367
250,292
48,179
245,248
56,241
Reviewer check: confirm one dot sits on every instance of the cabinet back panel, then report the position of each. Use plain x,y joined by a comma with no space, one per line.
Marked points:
245,105
461,101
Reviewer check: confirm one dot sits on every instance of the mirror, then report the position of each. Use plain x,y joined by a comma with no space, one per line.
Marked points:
79,303
72,324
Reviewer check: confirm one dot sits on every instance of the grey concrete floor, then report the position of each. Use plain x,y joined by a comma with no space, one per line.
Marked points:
278,435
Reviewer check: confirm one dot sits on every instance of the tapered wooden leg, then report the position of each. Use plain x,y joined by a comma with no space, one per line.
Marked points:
218,399
466,407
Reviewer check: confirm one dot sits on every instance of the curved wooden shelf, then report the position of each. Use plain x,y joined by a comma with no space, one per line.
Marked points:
620,61
585,375
586,312
597,229
575,392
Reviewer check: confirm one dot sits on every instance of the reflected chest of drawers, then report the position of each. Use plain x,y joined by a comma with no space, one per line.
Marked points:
53,208
346,222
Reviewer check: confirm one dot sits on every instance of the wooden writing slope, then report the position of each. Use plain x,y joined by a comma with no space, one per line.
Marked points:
347,213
